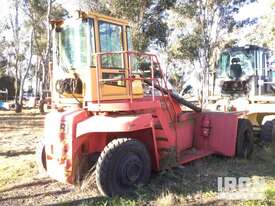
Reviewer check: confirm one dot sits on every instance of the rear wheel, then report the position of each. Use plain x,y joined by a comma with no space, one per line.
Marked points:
122,165
245,139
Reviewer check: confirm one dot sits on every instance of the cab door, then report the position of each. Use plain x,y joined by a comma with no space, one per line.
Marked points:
113,70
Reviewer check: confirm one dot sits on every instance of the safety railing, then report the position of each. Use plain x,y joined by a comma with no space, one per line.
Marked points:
133,64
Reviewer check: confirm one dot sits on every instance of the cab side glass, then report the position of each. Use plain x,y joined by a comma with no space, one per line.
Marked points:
111,41
74,45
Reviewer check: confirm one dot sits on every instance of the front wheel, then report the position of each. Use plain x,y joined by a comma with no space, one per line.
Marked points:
40,154
245,139
123,164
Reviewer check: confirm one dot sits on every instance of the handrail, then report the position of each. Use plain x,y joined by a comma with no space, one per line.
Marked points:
149,81
129,76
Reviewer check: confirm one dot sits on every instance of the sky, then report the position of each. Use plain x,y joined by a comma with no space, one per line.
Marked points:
4,8
256,9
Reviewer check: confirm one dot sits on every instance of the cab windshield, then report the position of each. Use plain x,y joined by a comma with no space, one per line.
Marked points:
245,61
75,45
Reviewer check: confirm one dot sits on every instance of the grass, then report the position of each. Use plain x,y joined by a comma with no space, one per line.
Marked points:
192,184
16,168
196,183
18,136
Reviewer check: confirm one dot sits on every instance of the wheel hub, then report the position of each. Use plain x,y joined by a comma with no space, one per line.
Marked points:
131,170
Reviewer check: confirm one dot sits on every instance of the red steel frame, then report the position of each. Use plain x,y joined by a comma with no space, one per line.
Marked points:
171,135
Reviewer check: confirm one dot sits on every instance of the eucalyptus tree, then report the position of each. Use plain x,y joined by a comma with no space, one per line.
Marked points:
147,18
40,13
15,44
202,28
20,49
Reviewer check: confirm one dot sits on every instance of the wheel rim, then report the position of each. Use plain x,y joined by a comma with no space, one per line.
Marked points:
130,170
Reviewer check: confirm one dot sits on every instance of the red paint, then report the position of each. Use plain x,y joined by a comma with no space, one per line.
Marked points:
157,121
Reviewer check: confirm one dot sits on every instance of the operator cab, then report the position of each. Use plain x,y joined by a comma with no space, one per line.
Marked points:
239,67
91,60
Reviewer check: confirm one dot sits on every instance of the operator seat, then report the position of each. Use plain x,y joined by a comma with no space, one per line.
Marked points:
235,69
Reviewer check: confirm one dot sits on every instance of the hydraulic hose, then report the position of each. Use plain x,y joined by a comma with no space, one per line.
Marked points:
176,97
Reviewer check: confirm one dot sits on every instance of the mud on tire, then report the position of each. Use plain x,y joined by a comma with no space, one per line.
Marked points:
123,164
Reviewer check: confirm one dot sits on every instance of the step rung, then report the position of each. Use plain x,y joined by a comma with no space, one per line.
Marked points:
164,149
161,139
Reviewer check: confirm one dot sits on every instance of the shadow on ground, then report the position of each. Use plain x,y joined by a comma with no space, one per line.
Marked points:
16,153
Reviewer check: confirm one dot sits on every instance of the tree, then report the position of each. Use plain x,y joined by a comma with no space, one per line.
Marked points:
23,24
40,13
147,18
202,27
15,44
95,5
25,69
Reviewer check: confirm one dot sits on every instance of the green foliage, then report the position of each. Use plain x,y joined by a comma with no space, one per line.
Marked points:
147,18
201,30
187,48
263,32
207,25
99,6
36,10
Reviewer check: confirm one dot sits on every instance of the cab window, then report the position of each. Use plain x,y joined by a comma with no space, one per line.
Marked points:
129,38
74,45
111,41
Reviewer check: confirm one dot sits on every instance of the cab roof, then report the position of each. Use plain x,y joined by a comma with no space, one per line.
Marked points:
89,14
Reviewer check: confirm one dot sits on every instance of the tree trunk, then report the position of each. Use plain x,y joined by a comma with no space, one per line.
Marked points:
37,76
15,29
48,48
45,56
22,83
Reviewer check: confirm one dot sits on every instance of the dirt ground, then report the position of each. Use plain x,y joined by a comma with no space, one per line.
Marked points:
192,184
20,181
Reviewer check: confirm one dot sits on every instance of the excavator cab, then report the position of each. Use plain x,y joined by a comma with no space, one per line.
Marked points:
91,60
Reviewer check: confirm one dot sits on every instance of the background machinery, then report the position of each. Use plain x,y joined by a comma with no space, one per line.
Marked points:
115,116
245,81
256,79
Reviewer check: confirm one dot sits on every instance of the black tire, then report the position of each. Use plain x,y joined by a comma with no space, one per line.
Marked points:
267,133
40,154
123,164
86,169
245,139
